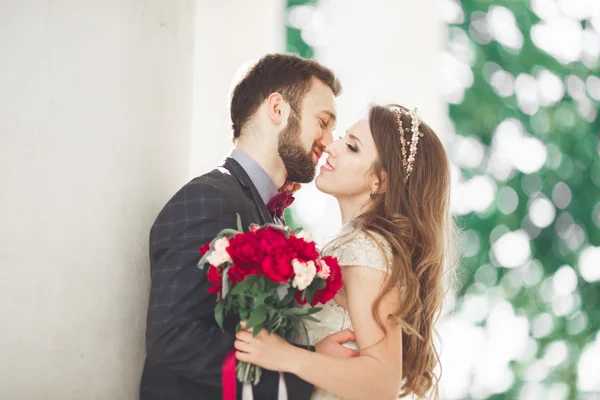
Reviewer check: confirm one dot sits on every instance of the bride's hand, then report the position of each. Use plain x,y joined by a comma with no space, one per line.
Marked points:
269,351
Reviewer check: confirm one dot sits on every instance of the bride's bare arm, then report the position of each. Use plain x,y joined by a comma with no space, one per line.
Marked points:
375,374
377,371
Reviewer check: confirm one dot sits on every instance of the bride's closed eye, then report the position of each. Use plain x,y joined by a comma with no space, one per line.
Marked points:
352,148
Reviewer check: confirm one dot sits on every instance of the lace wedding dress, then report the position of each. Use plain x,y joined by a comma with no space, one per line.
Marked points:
357,250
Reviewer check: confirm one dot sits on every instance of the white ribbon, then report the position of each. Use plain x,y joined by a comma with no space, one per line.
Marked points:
247,392
282,393
281,390
225,283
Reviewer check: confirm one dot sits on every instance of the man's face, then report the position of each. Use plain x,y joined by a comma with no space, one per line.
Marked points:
302,142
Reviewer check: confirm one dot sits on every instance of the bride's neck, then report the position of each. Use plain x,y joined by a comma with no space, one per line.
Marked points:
351,207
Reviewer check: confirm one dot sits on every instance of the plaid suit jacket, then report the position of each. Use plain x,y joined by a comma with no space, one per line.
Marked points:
185,347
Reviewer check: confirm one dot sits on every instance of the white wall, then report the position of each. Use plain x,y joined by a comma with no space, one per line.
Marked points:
95,118
232,35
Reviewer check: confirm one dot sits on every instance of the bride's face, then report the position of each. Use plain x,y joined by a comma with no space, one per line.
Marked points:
349,171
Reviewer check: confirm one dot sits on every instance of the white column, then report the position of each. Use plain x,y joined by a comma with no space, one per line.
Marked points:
95,119
231,35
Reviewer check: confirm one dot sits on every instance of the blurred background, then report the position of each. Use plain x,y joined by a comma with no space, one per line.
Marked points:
108,107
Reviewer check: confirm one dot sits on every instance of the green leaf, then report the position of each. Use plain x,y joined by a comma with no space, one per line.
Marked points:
256,330
283,229
309,293
271,322
242,301
298,230
219,314
310,318
294,311
241,287
305,329
258,317
282,291
252,279
277,321
318,284
260,299
202,263
313,310
228,232
239,223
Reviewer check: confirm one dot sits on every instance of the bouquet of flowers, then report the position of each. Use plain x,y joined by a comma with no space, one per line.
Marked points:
264,276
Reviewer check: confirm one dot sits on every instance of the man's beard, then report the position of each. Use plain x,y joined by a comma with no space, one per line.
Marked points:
297,161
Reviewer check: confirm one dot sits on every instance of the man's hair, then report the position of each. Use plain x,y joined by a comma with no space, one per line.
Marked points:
289,75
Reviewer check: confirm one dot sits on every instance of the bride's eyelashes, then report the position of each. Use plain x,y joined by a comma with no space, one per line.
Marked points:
350,147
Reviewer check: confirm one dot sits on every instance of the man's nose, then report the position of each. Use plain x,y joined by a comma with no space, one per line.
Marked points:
327,138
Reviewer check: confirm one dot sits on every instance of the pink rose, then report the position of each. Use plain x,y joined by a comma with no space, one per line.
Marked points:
220,255
324,270
304,273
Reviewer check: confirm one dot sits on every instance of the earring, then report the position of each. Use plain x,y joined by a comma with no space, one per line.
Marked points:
373,194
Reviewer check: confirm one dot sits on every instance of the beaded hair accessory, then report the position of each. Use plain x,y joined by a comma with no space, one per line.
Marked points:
408,162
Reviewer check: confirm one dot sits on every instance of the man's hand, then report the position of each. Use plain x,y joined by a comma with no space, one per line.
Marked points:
332,345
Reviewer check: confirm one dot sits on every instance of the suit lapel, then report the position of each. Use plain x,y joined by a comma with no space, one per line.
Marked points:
236,170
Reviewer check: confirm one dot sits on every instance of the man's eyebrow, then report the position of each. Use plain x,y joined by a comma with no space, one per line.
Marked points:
331,115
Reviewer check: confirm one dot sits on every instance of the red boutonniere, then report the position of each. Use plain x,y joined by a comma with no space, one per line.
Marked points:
280,202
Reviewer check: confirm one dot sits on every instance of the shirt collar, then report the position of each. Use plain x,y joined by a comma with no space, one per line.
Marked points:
259,177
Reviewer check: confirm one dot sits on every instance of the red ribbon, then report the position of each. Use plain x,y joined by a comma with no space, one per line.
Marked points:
228,378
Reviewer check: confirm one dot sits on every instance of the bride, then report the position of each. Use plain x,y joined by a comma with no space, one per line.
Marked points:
390,175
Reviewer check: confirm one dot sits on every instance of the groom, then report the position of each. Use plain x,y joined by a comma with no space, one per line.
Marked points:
283,112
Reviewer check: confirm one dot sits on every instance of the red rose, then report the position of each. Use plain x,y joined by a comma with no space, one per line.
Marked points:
334,282
243,250
215,276
262,250
204,249
277,267
237,273
303,250
270,240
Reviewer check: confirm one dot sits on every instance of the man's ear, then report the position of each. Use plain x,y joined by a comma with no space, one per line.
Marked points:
277,108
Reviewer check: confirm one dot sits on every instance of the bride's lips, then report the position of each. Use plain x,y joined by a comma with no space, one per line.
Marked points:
327,167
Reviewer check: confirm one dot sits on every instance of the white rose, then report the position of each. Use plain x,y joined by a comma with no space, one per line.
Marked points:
304,273
325,270
220,255
305,235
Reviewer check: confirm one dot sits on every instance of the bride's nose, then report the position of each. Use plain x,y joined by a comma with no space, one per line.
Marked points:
329,149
